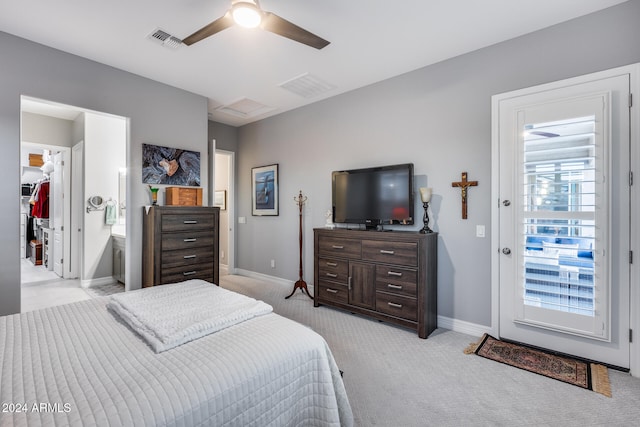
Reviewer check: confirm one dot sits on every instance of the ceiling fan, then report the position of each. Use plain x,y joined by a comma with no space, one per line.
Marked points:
248,13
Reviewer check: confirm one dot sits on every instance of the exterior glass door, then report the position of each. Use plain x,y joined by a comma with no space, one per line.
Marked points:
564,219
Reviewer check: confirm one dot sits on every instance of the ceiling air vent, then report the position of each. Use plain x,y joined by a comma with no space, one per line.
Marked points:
307,85
165,39
245,108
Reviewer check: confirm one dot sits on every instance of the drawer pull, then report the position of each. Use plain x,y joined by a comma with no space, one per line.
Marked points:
394,305
383,251
394,273
190,240
333,291
332,264
334,275
392,286
337,247
189,256
191,273
189,221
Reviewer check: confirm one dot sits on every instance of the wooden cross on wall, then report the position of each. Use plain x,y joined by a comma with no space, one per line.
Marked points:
464,184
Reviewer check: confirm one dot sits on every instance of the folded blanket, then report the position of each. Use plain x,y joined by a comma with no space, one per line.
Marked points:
167,316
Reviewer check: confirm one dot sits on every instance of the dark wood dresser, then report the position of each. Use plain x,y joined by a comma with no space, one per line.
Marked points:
390,276
180,243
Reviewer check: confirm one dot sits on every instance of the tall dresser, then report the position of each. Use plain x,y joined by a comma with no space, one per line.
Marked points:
180,243
389,276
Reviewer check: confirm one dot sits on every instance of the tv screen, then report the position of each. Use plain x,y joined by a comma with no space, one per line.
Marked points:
374,196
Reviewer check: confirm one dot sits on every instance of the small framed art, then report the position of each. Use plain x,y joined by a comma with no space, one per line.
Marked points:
264,190
220,199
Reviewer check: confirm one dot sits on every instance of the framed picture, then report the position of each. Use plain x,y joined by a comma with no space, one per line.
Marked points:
170,166
220,199
264,190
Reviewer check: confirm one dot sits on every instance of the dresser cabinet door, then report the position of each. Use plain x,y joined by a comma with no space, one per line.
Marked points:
362,287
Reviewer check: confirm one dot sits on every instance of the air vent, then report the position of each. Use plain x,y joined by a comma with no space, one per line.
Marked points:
165,39
307,86
245,108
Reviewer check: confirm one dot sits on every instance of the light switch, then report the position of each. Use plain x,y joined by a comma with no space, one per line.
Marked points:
479,230
242,220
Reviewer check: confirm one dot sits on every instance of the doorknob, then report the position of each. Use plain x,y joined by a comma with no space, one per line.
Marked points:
506,202
506,251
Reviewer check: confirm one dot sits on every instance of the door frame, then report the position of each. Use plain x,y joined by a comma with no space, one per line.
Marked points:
634,299
230,202
66,190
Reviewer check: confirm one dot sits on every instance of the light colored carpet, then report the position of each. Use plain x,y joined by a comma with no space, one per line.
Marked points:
104,290
393,378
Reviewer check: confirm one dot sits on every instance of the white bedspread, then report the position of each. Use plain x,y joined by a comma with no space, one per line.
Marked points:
77,365
170,315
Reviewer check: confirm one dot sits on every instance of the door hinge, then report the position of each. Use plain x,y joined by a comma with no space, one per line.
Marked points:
630,335
630,179
630,100
630,257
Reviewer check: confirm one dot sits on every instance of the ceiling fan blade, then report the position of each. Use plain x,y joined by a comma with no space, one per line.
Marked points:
208,30
273,23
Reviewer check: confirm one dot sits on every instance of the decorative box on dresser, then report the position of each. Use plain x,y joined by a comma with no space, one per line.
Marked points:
390,276
180,243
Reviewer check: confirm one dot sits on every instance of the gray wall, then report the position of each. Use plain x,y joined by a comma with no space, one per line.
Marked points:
46,130
439,118
159,114
226,136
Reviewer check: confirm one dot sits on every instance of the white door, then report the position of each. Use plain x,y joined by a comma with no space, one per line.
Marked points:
564,220
74,268
57,189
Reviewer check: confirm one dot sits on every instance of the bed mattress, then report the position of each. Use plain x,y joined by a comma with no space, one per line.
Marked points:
79,365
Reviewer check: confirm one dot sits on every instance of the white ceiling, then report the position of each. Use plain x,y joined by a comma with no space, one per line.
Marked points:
371,40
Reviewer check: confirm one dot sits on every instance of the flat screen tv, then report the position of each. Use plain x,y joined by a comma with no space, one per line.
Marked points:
374,196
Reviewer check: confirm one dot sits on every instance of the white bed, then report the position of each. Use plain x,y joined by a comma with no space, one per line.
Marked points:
78,364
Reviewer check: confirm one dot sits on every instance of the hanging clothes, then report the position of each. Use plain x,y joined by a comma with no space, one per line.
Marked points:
41,201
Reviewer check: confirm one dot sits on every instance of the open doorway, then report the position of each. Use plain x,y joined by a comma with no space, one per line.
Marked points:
56,217
223,197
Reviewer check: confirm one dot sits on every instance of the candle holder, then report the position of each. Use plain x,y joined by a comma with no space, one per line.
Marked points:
425,220
154,195
425,195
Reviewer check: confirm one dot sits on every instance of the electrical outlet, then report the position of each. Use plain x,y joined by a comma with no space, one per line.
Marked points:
273,263
479,230
222,254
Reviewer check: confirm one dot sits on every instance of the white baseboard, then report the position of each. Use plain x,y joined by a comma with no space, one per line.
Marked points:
90,283
266,277
462,326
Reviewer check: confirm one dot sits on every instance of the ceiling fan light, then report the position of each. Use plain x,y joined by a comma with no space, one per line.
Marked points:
246,14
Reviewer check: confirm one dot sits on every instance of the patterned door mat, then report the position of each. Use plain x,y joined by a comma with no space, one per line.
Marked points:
591,376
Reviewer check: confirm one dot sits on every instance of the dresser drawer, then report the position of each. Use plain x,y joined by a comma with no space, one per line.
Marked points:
336,270
187,256
186,272
401,253
345,248
396,305
396,280
328,291
188,221
173,241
